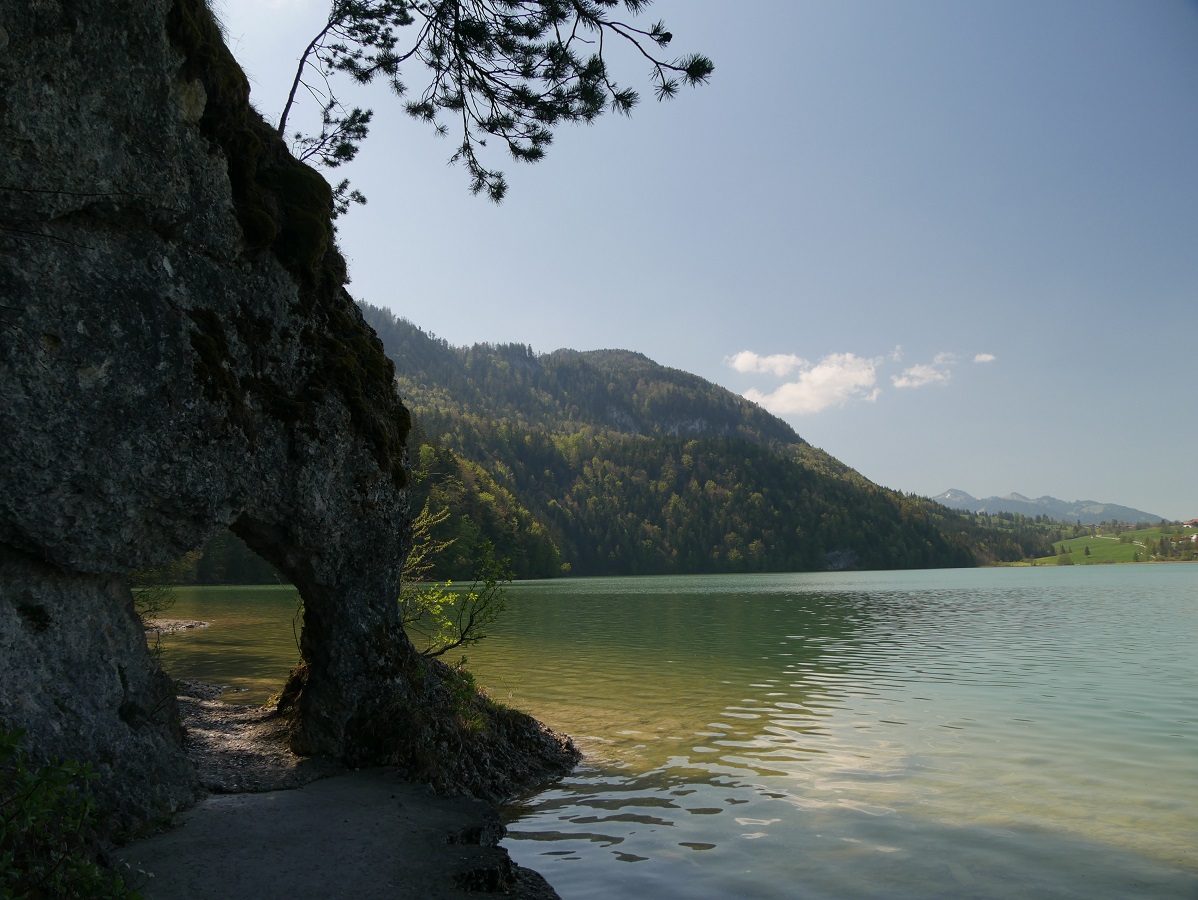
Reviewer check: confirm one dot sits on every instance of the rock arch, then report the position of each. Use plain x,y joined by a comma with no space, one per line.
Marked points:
178,354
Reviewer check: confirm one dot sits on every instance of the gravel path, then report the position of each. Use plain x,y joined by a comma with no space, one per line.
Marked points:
279,826
242,749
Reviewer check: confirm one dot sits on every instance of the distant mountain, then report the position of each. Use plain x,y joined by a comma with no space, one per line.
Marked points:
606,463
1088,512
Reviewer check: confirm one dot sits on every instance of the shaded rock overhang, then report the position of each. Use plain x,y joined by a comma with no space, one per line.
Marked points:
178,354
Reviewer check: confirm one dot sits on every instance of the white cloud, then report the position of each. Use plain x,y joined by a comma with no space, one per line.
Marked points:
837,379
938,371
779,364
920,376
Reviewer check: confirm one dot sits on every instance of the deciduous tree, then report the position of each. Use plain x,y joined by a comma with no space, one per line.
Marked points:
437,616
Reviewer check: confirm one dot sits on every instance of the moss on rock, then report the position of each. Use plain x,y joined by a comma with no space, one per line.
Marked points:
285,207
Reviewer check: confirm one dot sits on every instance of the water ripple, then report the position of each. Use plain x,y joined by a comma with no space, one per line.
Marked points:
938,715
996,733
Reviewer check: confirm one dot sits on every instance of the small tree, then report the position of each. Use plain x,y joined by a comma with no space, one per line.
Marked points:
505,69
437,616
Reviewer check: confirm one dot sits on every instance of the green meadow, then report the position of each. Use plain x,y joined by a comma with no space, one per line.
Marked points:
1141,545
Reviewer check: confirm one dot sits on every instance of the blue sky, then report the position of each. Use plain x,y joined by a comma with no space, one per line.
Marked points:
953,244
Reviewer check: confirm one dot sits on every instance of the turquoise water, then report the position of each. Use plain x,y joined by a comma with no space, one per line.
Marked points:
966,733
981,733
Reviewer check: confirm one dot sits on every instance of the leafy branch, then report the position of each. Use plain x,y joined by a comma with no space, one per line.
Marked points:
505,69
47,823
440,616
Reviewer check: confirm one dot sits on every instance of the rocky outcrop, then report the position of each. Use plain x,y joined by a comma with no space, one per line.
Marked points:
178,355
75,676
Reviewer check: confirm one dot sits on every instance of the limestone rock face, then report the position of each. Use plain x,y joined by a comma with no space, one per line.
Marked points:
178,355
75,675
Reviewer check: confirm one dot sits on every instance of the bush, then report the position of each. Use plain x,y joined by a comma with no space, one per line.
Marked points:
47,817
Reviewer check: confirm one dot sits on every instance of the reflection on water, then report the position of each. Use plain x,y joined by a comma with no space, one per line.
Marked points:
993,733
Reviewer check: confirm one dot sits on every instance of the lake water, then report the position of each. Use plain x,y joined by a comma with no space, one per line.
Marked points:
984,733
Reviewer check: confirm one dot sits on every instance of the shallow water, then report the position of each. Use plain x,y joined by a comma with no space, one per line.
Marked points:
249,646
982,733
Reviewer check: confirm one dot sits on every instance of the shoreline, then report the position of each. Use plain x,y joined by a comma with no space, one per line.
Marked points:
275,824
171,626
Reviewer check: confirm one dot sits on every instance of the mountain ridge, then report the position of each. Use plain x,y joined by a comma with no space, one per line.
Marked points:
510,381
614,464
1089,512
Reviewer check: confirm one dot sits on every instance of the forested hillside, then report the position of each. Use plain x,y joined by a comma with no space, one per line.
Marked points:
604,462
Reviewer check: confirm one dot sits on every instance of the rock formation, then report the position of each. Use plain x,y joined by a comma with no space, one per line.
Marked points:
178,354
